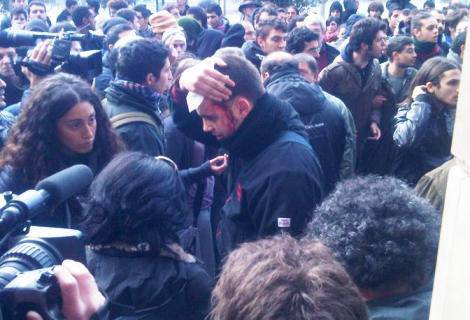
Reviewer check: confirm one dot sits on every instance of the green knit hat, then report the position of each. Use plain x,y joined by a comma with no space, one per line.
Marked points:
192,28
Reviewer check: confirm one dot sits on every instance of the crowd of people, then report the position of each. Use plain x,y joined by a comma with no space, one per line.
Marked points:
284,165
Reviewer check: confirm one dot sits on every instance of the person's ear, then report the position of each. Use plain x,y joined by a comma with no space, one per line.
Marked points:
264,76
243,106
150,79
430,87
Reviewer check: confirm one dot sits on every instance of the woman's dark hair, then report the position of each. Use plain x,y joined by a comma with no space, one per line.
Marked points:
432,71
135,199
33,146
199,14
331,19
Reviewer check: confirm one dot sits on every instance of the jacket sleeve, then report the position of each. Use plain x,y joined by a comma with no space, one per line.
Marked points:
410,122
327,80
198,293
194,175
189,123
142,137
348,162
285,195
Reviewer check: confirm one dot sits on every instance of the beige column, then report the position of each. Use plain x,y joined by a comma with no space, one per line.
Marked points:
451,296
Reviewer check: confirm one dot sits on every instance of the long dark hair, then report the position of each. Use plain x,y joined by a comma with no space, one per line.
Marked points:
33,146
135,199
431,71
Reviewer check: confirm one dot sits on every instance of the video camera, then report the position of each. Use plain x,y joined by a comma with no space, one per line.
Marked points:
86,64
27,282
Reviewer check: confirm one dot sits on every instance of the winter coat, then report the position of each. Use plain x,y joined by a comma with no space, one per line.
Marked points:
406,83
324,122
253,53
343,80
423,133
138,136
157,288
273,171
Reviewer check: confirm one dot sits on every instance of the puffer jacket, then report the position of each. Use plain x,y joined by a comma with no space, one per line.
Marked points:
423,134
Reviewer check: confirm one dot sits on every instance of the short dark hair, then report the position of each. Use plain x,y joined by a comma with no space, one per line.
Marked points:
36,3
113,34
94,4
365,31
117,4
297,38
309,60
135,199
294,7
265,27
397,44
126,13
80,13
198,14
331,19
381,230
70,3
245,75
214,8
429,3
18,11
458,42
270,9
138,58
63,25
281,278
142,8
416,20
375,6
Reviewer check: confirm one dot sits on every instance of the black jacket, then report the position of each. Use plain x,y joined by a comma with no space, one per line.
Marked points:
156,288
423,134
324,122
253,53
138,136
269,177
208,43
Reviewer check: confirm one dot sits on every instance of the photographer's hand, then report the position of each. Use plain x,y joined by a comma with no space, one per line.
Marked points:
80,295
42,54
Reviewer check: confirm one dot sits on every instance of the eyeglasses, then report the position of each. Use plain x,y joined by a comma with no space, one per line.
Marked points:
168,161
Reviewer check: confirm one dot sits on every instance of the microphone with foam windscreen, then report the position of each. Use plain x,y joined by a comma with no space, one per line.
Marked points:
49,193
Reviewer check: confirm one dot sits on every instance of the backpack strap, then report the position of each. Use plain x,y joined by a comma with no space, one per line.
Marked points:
130,117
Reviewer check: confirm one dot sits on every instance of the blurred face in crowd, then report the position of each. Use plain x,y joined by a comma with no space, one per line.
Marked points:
213,20
428,31
77,128
307,73
315,27
222,121
332,27
37,12
18,22
141,22
312,48
249,31
394,19
275,41
177,47
405,58
175,12
19,4
440,21
163,82
3,85
375,14
378,45
248,11
335,13
291,13
7,56
264,16
447,91
461,26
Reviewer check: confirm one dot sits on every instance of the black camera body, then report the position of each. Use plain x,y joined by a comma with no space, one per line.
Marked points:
27,281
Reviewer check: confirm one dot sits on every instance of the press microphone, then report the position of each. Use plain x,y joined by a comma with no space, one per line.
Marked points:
49,193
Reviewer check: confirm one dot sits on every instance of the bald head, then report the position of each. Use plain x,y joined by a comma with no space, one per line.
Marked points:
274,60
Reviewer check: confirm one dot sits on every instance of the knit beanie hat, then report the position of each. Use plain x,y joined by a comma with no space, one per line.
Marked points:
37,25
162,21
192,28
173,34
108,24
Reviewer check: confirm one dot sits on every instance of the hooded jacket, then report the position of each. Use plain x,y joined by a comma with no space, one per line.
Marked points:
273,171
253,53
323,120
138,136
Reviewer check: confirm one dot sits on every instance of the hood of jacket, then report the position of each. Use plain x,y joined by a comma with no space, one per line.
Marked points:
263,125
118,95
287,84
253,52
